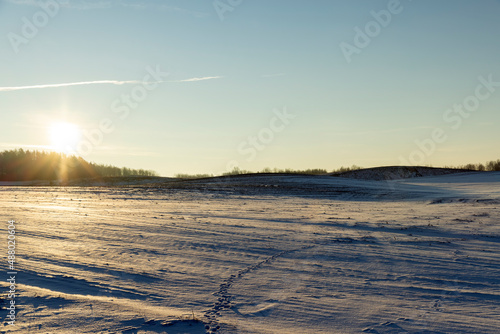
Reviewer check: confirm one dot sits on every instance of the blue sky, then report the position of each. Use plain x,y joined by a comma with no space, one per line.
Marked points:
229,79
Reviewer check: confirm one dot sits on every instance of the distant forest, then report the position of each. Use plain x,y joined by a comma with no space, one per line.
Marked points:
25,165
489,166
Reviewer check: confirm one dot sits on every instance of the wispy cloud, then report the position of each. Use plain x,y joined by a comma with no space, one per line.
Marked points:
102,4
198,79
273,75
69,84
98,82
11,146
125,151
375,132
84,4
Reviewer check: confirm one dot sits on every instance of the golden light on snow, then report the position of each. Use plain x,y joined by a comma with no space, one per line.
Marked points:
64,137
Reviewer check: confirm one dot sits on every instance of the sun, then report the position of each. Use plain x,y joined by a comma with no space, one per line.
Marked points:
64,137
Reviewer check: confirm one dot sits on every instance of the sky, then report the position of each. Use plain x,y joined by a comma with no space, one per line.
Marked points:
206,86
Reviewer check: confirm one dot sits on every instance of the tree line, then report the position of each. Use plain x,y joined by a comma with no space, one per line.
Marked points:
267,170
490,166
26,165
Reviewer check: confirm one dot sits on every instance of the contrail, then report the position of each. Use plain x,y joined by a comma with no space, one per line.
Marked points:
198,79
99,82
82,83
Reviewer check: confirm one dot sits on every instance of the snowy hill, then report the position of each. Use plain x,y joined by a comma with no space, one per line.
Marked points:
398,172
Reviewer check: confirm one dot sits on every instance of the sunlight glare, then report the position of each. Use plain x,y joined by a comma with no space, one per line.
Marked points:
64,137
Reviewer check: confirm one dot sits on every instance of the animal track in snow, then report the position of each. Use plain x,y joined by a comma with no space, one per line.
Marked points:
225,297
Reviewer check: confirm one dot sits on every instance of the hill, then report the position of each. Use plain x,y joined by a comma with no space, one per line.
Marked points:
399,172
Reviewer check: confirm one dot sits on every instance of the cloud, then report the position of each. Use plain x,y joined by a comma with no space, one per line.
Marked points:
11,146
126,151
273,75
377,132
69,84
82,4
98,82
101,4
198,79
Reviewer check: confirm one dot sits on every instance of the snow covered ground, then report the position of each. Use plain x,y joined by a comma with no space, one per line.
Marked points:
260,254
